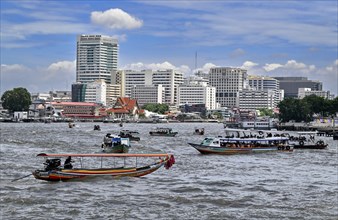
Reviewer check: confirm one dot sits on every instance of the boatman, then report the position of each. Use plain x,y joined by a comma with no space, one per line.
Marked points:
68,163
107,140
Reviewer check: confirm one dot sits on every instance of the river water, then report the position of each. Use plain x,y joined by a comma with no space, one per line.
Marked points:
298,185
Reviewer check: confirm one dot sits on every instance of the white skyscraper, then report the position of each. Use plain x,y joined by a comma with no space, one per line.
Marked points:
228,82
97,56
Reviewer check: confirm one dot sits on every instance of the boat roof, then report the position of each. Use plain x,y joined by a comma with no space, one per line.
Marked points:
102,155
250,139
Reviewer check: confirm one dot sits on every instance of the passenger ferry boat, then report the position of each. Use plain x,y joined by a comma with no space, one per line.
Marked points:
230,145
163,132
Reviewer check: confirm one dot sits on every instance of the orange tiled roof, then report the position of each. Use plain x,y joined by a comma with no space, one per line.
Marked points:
125,105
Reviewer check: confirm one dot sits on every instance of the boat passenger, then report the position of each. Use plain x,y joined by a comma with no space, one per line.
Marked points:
107,140
68,163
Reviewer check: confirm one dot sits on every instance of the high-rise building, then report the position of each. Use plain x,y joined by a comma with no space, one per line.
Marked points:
96,92
290,85
228,82
78,92
265,83
97,56
148,94
170,79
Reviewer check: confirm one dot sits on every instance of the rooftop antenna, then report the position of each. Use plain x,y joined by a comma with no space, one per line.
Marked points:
196,61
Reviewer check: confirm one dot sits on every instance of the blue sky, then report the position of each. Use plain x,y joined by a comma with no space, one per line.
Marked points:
270,38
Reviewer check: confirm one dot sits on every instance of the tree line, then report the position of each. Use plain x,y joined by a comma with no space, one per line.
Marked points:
306,109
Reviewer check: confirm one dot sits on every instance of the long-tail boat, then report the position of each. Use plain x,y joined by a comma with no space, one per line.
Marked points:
106,165
219,145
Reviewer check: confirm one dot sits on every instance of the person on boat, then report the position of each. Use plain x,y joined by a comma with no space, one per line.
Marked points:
107,140
68,163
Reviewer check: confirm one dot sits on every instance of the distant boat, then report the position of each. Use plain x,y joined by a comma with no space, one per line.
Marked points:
199,131
163,132
220,145
53,170
132,135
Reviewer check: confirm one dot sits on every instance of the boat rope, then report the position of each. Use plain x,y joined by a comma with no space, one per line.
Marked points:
21,177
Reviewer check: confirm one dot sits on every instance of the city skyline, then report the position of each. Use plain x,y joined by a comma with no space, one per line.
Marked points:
292,38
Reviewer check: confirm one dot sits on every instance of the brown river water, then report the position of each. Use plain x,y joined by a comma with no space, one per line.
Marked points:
302,184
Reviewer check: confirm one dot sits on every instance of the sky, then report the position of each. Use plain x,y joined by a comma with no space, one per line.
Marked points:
268,38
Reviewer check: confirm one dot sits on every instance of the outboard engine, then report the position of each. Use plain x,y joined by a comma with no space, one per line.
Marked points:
52,164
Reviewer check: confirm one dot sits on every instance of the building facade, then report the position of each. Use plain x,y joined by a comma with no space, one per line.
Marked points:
97,56
197,94
303,92
96,92
170,79
253,99
290,85
264,83
145,94
228,82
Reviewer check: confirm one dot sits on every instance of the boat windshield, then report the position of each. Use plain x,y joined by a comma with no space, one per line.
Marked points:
207,141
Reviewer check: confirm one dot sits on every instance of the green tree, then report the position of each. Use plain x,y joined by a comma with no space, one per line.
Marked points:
156,107
265,112
294,109
17,99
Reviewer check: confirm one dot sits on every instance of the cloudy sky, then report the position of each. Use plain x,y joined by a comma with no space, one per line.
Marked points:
270,38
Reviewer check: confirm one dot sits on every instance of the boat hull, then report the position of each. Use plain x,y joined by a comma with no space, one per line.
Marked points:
239,150
165,135
116,149
312,146
79,174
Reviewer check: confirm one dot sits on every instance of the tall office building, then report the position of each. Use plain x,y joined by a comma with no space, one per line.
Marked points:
97,56
170,79
265,83
290,85
228,82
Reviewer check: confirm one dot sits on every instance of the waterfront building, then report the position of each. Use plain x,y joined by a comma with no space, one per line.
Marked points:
253,99
194,94
170,79
265,83
113,92
228,82
97,56
303,92
148,94
96,92
130,78
77,109
290,85
78,92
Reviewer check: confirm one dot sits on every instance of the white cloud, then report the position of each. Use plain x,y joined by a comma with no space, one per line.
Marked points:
57,76
185,69
270,67
13,68
249,65
64,66
205,68
115,18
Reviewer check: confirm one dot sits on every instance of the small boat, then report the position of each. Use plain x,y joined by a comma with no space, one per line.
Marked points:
97,128
163,132
199,131
132,135
219,145
71,125
115,144
102,165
